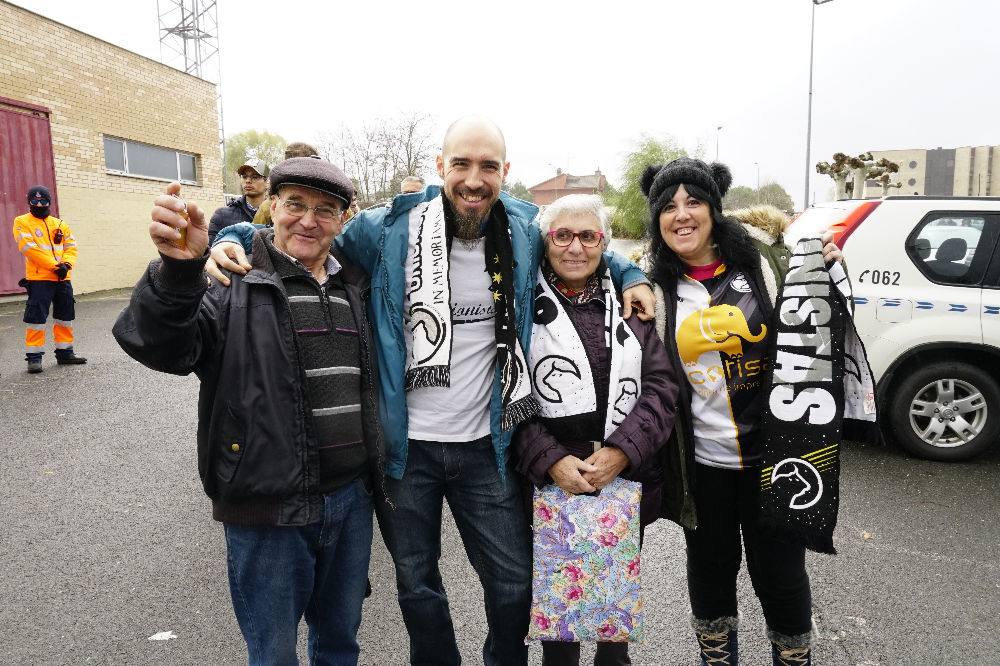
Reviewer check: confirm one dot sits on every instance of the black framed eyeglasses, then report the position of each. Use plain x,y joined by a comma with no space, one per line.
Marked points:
564,237
322,213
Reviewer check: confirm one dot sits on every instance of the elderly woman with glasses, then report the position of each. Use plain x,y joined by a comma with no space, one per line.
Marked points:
605,386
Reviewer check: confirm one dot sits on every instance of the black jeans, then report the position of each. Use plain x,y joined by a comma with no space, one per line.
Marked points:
727,502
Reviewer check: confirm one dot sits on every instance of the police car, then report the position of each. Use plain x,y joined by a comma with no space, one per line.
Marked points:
926,279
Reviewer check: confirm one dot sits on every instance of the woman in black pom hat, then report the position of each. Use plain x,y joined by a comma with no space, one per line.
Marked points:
717,279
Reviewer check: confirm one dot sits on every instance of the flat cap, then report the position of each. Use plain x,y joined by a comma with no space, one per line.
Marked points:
313,173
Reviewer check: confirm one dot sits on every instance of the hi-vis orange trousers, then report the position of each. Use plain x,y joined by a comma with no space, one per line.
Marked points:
43,294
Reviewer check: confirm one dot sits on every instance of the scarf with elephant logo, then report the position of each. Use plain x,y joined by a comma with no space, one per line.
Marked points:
560,371
819,383
428,317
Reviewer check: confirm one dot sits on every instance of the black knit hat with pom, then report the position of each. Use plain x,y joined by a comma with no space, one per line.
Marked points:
713,178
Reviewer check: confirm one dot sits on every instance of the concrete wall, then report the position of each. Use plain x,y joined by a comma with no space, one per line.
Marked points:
976,171
95,89
904,158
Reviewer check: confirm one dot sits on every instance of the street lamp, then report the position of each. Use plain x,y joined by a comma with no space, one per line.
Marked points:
756,164
717,130
809,118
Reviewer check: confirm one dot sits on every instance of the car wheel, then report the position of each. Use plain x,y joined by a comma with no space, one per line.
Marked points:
946,411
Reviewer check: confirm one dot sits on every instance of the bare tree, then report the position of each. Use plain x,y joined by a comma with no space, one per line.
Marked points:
380,152
415,145
838,170
861,168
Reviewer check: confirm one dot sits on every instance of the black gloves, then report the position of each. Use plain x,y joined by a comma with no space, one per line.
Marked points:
61,269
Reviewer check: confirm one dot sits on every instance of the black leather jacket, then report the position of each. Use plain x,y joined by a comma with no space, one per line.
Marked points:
257,456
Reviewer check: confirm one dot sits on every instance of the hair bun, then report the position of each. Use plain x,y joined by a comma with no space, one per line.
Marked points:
648,176
722,176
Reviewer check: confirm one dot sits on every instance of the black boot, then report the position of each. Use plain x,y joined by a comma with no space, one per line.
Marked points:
34,366
782,655
70,359
718,649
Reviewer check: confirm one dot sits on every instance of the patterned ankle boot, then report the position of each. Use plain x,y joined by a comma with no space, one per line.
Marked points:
790,656
718,649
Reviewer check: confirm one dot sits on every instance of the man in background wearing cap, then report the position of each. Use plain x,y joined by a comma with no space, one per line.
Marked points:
253,173
49,250
288,432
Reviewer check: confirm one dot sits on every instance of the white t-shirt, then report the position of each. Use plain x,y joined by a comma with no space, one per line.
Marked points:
461,412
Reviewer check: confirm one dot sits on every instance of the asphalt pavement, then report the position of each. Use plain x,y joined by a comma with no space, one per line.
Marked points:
106,539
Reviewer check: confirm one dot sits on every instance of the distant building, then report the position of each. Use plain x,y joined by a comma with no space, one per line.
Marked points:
969,171
563,183
105,130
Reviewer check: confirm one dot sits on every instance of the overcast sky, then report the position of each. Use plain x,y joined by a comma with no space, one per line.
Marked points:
574,85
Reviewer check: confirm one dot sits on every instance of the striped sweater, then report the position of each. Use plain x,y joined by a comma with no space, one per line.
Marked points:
326,342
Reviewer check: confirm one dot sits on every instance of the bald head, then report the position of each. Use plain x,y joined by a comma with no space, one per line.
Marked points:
472,165
476,128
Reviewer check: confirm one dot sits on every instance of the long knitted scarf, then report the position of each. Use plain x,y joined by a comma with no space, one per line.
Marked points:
429,315
818,372
561,375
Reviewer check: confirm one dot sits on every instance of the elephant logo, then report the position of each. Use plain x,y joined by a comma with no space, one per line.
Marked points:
548,376
721,328
798,471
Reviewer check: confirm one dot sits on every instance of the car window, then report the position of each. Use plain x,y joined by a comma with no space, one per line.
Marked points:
953,248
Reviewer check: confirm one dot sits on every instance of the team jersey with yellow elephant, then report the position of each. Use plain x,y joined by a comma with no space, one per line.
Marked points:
721,339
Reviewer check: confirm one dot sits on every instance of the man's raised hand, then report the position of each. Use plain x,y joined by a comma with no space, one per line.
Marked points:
165,229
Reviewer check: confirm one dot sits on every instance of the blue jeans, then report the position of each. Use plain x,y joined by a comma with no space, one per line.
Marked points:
494,528
277,574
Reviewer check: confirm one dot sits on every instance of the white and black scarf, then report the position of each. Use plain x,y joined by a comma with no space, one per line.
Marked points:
560,372
428,289
820,385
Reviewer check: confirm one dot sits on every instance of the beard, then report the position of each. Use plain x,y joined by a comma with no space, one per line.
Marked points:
469,224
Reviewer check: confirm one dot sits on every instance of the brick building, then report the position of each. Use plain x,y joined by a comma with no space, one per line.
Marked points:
564,183
105,129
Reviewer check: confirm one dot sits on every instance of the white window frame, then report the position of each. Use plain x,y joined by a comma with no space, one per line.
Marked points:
177,161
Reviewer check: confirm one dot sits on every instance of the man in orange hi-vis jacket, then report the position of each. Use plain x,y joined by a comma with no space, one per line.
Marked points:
49,250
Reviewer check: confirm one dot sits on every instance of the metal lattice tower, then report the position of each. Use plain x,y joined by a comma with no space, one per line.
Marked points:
189,41
189,36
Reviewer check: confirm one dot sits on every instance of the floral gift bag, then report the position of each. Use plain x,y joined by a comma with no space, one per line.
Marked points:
585,583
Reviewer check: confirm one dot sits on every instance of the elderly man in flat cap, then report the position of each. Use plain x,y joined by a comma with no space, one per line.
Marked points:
287,445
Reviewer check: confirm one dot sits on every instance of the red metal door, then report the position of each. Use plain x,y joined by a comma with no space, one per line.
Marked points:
25,160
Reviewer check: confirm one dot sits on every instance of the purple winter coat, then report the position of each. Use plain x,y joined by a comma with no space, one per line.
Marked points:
542,442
